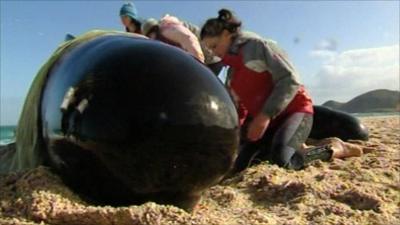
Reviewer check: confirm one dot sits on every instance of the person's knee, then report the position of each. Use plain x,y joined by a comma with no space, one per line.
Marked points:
282,154
296,161
288,157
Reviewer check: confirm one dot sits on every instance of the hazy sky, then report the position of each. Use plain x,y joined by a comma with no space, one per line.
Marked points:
341,48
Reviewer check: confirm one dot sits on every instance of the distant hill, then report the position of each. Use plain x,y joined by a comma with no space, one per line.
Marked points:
333,104
381,100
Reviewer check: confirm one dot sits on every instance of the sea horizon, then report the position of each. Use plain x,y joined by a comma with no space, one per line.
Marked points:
7,132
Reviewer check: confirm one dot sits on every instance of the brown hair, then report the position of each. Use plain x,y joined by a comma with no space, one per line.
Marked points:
225,21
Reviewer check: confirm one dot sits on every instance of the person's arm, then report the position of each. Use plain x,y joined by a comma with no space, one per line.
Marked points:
264,56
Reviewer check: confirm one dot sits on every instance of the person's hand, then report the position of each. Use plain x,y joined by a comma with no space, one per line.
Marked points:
258,127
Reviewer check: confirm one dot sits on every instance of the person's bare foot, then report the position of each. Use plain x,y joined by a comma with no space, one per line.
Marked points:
340,148
343,149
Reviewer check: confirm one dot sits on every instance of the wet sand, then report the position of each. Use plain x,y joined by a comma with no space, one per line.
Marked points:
357,190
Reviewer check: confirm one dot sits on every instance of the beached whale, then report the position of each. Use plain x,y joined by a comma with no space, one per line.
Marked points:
125,120
334,123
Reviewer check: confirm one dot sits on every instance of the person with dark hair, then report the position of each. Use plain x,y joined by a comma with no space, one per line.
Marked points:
276,112
130,19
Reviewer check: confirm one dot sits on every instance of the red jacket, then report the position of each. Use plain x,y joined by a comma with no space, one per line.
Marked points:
254,89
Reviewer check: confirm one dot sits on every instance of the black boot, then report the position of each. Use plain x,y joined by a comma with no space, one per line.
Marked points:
300,160
323,153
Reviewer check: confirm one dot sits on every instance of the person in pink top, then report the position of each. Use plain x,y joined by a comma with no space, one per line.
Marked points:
171,30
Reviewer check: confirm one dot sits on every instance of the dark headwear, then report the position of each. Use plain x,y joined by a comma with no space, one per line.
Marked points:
129,9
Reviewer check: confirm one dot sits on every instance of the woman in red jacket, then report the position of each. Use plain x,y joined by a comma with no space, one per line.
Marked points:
275,111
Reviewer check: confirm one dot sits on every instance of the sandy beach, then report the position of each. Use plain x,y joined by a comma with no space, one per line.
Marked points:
358,190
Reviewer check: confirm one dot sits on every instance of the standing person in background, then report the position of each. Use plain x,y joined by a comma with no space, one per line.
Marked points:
171,30
130,19
275,111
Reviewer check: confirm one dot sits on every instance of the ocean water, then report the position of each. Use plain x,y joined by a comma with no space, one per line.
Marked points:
7,134
360,115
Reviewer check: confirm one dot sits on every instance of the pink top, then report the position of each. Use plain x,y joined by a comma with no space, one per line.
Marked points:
174,30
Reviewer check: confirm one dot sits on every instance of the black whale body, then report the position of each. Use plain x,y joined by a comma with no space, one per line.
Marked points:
334,123
129,120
